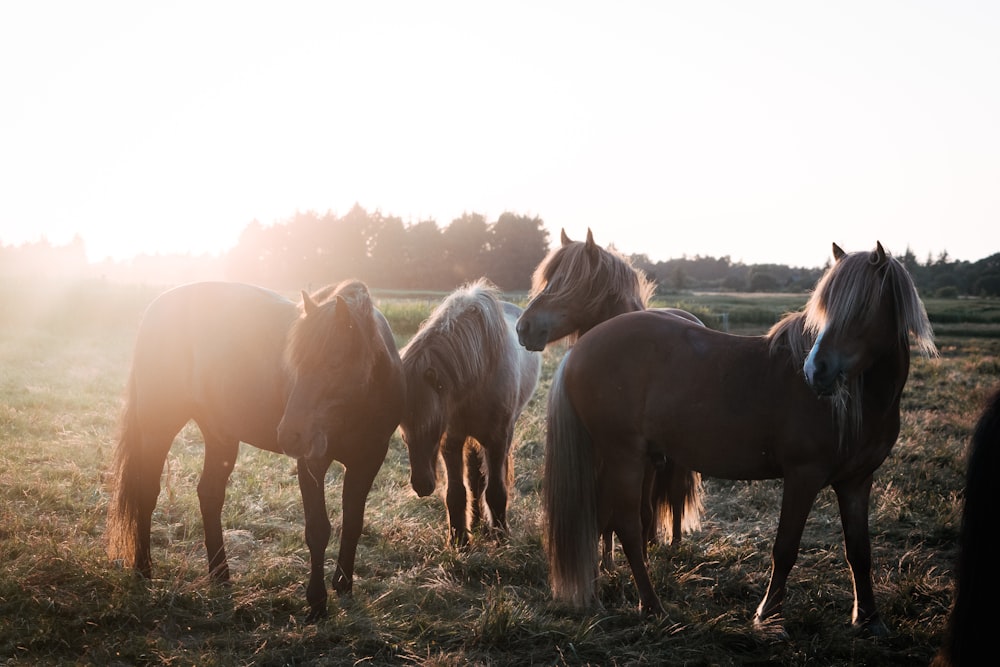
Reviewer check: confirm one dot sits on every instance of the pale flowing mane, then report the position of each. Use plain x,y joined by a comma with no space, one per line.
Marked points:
846,296
462,339
316,339
570,273
850,291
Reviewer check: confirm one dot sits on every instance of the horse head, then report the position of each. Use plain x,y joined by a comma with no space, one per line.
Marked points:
329,358
423,424
864,308
577,286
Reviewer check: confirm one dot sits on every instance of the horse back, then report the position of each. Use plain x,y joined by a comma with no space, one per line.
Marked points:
214,352
720,404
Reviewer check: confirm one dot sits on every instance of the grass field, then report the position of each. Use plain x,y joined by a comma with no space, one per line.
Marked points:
64,355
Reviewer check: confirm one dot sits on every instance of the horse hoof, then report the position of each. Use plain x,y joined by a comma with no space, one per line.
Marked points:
772,627
316,614
872,627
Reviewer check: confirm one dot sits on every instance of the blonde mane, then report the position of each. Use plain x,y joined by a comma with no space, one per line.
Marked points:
590,276
462,339
847,296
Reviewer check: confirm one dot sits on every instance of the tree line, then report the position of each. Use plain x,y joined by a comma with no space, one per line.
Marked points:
311,249
314,249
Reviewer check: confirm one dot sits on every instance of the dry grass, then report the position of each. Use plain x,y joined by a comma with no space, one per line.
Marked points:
417,601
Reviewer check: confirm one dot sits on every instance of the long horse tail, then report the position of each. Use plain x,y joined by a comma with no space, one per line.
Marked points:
123,508
569,500
970,624
677,501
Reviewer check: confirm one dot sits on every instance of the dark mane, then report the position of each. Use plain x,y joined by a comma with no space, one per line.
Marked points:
339,325
568,273
462,339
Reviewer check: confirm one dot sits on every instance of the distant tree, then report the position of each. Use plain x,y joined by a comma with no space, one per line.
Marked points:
345,244
734,283
387,252
466,245
424,256
761,281
679,279
247,261
987,285
517,244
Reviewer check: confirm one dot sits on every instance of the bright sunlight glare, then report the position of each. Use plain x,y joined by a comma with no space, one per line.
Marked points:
760,131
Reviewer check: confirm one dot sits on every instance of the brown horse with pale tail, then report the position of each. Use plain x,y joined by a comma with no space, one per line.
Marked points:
815,402
574,288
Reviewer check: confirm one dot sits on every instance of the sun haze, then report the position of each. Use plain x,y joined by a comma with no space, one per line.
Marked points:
759,131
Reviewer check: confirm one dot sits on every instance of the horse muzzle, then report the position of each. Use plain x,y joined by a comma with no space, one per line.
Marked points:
532,337
822,376
298,444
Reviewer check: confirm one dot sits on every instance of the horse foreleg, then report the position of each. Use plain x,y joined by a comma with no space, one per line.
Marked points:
220,457
456,498
853,501
796,501
317,528
358,481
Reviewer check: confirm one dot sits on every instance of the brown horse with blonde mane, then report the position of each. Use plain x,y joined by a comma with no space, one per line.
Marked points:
814,402
576,287
467,382
318,382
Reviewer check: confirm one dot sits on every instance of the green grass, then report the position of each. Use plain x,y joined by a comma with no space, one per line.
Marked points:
64,355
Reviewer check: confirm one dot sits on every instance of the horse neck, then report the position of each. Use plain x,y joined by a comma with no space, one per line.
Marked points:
883,382
609,310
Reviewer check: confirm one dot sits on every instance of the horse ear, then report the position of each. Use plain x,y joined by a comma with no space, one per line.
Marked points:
838,252
342,313
878,255
308,305
431,378
563,239
591,246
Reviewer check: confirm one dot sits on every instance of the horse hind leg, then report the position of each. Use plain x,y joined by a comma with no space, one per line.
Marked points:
627,523
220,457
139,459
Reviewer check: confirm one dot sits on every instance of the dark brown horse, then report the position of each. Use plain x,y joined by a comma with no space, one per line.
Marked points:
735,407
972,621
319,383
576,287
467,382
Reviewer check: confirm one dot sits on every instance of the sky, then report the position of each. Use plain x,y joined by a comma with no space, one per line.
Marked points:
762,131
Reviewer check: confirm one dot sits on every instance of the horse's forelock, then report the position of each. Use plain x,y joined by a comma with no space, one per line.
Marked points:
569,274
849,293
316,337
